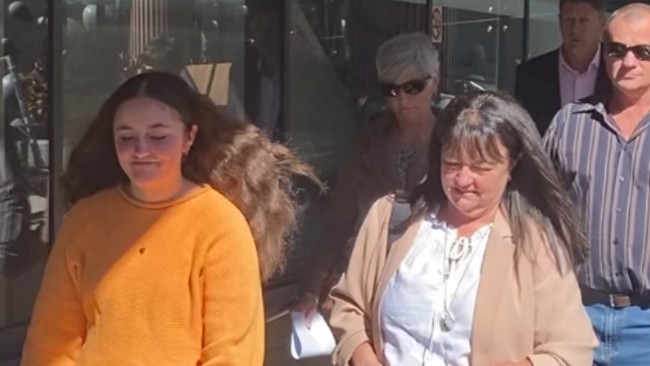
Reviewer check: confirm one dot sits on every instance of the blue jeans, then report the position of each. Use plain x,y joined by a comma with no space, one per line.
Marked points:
624,335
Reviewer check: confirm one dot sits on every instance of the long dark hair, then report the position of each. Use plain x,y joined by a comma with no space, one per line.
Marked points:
534,199
233,157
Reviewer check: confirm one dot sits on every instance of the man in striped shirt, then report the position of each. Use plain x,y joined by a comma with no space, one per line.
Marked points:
601,146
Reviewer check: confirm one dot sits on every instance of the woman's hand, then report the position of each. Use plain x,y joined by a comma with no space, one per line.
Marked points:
306,303
364,355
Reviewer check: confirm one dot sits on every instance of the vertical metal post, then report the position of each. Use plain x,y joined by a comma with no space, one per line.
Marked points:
56,24
525,32
285,73
428,18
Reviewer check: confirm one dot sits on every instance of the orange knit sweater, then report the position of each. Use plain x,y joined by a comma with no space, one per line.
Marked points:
129,283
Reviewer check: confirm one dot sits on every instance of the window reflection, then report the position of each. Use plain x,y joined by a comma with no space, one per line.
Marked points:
229,50
264,67
108,42
24,160
481,44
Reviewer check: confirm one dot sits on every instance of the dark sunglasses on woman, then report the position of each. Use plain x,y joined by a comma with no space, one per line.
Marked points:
411,87
619,50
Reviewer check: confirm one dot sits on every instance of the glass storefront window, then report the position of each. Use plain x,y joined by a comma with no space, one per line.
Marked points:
481,44
24,157
302,70
544,28
203,41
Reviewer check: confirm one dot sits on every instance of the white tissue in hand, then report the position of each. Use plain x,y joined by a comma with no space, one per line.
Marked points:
317,340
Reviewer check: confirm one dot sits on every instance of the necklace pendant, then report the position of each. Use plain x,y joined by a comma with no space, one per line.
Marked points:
447,322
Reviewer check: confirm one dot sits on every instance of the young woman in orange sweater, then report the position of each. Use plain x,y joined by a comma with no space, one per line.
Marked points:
156,262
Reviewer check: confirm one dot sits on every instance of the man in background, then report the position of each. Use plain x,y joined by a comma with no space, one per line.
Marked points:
601,147
572,72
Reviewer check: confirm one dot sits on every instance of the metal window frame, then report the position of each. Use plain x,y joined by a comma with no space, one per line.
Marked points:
56,209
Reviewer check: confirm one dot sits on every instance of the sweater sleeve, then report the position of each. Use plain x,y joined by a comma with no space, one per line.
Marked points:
57,328
233,312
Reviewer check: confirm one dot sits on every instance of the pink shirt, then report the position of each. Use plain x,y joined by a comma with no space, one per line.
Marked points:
575,85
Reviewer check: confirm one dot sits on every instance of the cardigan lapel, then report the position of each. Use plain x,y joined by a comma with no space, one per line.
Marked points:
497,265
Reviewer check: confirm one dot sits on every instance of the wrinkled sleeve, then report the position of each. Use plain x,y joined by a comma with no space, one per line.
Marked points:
351,315
563,332
233,312
57,328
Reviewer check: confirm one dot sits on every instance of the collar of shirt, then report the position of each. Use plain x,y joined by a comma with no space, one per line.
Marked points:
598,106
595,62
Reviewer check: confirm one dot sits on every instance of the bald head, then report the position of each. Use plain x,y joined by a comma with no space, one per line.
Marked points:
627,36
631,13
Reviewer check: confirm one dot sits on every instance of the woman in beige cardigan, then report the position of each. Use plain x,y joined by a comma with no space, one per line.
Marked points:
483,274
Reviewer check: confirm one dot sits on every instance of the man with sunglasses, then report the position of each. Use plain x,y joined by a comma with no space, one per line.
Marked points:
601,146
572,72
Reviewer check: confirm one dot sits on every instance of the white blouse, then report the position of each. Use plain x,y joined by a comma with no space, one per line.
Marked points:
427,310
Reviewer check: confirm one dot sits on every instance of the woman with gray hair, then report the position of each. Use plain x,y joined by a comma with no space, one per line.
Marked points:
389,156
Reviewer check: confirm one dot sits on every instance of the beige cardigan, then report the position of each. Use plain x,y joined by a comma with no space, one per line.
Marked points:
541,319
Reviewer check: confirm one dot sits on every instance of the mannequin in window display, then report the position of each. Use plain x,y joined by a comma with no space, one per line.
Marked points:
23,168
14,207
263,106
255,88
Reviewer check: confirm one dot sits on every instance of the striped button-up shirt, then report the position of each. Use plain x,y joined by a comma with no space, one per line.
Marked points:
608,178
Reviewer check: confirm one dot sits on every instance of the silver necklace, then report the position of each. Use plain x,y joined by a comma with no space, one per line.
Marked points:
460,249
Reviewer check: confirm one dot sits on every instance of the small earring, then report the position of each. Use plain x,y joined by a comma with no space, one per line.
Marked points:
187,150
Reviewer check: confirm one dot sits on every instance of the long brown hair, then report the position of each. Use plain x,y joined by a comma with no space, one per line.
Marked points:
233,157
534,195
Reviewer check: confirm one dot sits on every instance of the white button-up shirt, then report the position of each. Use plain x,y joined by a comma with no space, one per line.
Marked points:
415,300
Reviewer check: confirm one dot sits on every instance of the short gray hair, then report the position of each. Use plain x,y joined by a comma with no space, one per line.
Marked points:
407,51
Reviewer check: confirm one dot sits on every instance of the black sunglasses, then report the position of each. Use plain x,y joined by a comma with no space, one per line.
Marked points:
620,50
411,87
